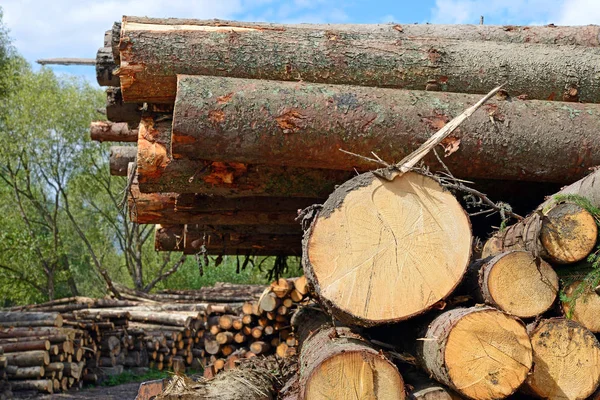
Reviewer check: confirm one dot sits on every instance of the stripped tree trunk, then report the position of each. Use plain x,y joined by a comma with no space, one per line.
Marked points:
152,53
305,125
405,243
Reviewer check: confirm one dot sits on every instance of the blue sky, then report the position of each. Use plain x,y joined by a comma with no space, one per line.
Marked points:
75,28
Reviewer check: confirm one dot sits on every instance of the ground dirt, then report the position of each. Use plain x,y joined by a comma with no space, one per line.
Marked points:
126,391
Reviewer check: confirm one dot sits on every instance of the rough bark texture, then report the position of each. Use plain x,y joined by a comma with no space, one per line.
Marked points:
513,282
151,56
550,34
118,111
217,241
479,352
159,208
104,131
172,208
120,157
405,243
305,125
334,361
105,65
158,172
564,234
566,359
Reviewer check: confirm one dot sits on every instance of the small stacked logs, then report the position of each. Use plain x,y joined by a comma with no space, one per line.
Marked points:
263,327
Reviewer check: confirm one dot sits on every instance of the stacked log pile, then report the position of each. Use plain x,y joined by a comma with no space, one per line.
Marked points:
239,125
62,344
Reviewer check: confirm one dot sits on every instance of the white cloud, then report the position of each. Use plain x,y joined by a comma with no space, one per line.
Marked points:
72,28
497,11
579,12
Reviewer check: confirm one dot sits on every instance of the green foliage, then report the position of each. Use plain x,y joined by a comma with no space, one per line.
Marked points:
130,377
591,277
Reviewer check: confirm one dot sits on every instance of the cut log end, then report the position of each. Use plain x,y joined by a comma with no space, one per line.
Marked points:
355,375
479,352
519,284
586,307
383,251
566,360
569,233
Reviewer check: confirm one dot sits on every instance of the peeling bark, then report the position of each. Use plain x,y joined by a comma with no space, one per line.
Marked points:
305,125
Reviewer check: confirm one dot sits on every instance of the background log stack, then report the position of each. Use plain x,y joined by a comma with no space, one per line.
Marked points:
240,125
58,345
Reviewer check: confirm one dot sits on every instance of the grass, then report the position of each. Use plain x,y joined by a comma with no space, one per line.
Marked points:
130,377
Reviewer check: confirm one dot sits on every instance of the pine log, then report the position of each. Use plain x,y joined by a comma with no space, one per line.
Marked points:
105,65
160,208
105,131
30,319
480,352
305,125
26,346
15,372
120,157
566,361
158,172
152,53
339,364
584,308
175,237
171,238
118,111
405,243
564,234
42,385
515,282
167,318
28,358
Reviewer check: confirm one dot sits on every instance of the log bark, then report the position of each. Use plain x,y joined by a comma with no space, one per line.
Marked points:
305,125
153,53
564,234
340,364
118,111
158,172
566,359
32,319
26,346
166,318
28,358
405,243
480,352
166,208
42,385
15,372
105,65
514,282
585,307
105,131
120,157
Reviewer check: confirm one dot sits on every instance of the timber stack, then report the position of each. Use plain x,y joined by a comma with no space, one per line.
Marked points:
66,343
240,125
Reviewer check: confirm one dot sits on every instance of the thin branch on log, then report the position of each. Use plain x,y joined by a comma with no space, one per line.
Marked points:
67,61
